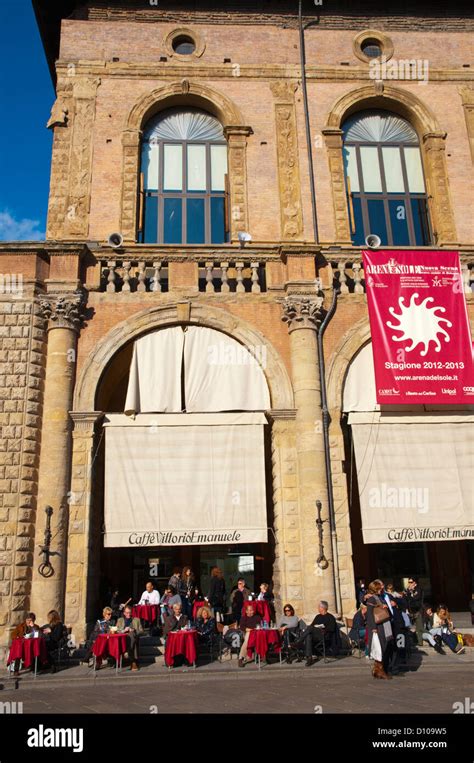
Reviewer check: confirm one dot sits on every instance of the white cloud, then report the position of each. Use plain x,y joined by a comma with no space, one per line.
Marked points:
12,229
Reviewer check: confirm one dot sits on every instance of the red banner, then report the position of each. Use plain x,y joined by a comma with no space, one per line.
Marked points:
421,340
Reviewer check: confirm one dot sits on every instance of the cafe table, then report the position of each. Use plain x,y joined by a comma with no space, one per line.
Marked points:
28,650
110,645
260,640
181,642
146,612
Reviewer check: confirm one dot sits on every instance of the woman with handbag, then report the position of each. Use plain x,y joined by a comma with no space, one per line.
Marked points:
379,630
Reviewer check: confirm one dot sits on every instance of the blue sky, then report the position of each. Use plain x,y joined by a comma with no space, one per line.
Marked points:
26,101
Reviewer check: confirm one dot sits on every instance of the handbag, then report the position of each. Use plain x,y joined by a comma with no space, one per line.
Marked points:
381,614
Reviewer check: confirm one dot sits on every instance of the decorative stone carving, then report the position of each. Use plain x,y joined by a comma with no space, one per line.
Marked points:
288,160
64,311
302,312
59,115
237,143
333,139
467,95
438,188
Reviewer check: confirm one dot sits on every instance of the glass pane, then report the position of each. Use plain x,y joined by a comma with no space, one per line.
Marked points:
392,164
358,236
370,169
218,167
420,222
196,231
196,167
150,220
377,222
350,164
183,124
217,220
416,183
173,169
398,219
172,221
150,165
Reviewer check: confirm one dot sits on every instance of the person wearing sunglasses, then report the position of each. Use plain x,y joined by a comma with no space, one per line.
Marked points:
290,627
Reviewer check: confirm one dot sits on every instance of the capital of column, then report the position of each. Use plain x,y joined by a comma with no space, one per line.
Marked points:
302,312
64,311
85,421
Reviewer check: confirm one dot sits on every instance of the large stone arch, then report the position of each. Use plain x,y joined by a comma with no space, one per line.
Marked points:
344,353
432,144
185,93
278,380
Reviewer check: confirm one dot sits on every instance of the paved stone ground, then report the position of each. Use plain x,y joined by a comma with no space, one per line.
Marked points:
431,685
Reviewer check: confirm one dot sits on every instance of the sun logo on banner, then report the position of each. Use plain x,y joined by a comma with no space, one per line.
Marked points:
419,324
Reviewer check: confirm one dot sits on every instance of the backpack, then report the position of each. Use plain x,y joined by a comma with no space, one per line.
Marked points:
450,639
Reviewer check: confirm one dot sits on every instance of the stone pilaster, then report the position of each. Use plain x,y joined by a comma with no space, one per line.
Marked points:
334,146
82,553
436,174
288,160
467,95
287,567
237,174
64,313
303,315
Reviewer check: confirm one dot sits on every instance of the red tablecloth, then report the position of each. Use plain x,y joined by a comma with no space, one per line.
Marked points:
27,649
260,641
148,612
261,607
181,642
197,605
110,645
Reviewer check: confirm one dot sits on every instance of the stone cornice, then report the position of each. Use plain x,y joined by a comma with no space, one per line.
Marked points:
170,70
53,248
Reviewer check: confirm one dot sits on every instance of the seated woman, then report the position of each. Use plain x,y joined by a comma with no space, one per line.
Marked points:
167,601
290,627
55,635
101,626
359,626
443,627
206,626
26,629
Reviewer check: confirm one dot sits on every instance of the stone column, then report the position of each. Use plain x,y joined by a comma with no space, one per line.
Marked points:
84,530
64,313
467,95
303,315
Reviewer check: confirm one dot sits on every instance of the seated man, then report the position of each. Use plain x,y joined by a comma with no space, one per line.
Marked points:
248,622
176,621
133,628
323,627
150,595
359,624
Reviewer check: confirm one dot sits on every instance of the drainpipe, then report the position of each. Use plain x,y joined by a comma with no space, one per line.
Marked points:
306,118
327,453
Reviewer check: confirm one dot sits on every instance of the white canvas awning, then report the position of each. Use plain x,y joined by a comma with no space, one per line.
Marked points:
184,479
220,374
415,476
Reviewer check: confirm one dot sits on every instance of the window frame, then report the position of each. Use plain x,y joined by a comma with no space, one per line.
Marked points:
161,195
406,197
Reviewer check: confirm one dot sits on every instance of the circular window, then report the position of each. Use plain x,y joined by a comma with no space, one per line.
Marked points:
184,45
372,44
371,49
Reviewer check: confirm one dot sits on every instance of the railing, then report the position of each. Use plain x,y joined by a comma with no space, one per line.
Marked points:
133,276
227,277
348,273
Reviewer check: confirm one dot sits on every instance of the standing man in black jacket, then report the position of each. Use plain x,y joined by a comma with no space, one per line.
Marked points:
414,596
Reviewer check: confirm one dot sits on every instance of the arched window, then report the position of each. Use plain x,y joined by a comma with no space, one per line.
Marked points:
183,179
384,177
